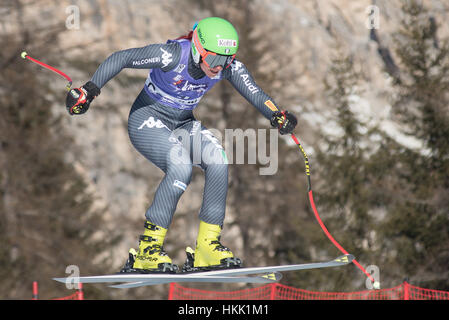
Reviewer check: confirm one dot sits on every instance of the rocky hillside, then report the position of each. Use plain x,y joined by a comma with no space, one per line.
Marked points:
304,35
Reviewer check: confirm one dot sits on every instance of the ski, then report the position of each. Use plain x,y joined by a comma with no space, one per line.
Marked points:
135,280
274,270
268,278
340,261
227,275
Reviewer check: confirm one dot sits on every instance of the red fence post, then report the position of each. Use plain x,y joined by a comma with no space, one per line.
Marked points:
273,291
35,291
79,291
406,290
170,291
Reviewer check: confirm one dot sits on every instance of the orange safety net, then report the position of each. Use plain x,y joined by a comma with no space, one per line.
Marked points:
275,291
75,296
78,295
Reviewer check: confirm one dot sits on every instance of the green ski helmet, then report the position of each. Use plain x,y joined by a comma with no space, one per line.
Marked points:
214,42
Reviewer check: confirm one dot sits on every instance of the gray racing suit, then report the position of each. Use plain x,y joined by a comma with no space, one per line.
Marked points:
163,129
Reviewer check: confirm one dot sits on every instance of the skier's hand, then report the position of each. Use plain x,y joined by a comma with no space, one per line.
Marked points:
79,99
284,121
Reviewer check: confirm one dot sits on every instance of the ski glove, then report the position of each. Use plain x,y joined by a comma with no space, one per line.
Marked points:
79,99
284,121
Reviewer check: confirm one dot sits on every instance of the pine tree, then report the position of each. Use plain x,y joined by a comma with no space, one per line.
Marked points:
346,194
46,217
416,229
387,204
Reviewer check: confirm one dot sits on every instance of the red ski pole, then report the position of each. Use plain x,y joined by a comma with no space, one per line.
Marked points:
24,55
317,216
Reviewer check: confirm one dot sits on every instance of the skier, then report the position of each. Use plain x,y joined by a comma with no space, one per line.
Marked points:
181,72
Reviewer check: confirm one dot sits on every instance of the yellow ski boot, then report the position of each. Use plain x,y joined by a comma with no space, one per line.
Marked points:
151,257
209,253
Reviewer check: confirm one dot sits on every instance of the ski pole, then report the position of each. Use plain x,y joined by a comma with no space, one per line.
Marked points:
315,211
25,55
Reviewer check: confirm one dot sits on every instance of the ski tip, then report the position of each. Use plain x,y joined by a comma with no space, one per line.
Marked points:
347,258
350,257
190,250
23,54
274,276
62,280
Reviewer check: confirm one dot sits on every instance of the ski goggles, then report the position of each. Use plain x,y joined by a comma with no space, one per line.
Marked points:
212,59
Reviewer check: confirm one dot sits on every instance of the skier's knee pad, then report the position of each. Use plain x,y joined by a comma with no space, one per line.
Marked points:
181,175
179,167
